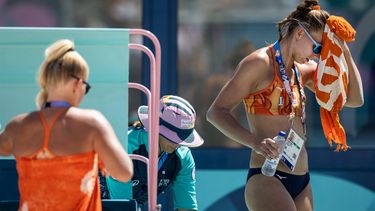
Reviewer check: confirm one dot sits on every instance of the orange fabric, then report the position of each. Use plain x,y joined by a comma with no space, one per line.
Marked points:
266,101
331,79
58,182
316,7
341,28
44,152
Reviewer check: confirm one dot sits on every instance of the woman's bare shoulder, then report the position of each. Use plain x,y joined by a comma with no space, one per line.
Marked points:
91,117
250,73
24,118
255,63
21,122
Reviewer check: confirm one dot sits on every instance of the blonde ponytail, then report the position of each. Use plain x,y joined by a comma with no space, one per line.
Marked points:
41,98
57,50
60,64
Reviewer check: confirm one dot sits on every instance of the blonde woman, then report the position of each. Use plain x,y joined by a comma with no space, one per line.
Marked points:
58,148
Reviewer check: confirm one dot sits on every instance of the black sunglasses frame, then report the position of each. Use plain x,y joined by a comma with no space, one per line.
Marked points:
88,86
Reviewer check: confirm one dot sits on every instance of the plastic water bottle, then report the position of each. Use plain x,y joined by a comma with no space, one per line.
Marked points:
270,165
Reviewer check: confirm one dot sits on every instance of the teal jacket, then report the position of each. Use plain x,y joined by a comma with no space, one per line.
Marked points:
176,170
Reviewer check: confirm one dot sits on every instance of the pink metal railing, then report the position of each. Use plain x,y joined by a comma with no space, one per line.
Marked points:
139,157
153,111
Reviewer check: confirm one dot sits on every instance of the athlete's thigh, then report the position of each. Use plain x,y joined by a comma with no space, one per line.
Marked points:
267,194
304,200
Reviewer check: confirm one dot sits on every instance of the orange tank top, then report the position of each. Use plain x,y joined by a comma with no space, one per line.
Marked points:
50,182
272,100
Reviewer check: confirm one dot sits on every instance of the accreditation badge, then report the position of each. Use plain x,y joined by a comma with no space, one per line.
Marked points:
292,149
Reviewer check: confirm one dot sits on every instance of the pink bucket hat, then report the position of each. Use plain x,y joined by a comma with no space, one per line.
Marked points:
177,121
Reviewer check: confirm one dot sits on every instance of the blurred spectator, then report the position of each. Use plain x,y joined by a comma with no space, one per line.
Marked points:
28,13
123,13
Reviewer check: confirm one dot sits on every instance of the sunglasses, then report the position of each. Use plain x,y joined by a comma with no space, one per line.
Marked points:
88,86
317,47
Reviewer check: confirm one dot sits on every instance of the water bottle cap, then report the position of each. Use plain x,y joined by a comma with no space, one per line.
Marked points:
282,133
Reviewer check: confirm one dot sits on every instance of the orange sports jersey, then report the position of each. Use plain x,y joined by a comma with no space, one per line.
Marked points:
50,182
272,100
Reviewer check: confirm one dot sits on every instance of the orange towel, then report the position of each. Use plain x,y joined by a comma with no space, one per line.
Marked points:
331,79
60,183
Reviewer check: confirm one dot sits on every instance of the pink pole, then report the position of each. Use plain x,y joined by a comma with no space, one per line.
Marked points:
154,109
148,94
139,157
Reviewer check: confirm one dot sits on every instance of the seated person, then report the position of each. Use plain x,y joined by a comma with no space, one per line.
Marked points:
176,167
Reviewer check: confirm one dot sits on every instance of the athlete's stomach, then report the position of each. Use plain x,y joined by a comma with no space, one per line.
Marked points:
266,126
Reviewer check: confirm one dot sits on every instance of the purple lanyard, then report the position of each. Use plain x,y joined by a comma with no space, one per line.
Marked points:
286,82
57,104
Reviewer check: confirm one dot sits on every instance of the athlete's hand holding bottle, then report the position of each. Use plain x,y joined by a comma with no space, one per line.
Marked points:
270,164
268,147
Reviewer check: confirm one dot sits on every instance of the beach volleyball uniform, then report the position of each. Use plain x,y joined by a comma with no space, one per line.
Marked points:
272,100
51,182
294,184
176,170
275,100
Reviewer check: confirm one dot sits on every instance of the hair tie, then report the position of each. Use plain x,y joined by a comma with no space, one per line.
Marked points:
70,49
315,7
